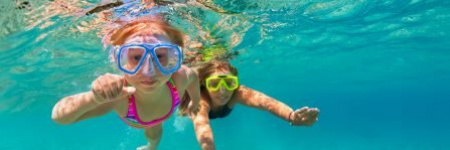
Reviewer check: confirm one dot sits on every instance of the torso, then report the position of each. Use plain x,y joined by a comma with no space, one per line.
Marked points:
155,108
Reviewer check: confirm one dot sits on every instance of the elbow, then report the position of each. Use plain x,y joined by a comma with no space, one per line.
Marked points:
59,118
60,121
207,144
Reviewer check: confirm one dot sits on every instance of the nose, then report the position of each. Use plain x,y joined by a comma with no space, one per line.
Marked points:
222,90
148,67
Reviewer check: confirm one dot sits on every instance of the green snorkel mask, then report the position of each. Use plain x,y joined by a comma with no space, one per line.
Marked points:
230,82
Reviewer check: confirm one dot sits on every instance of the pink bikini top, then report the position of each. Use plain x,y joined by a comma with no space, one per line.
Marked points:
133,119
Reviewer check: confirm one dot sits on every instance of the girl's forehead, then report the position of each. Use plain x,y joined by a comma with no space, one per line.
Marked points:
221,72
150,39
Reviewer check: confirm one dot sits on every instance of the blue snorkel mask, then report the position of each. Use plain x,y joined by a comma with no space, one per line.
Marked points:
139,56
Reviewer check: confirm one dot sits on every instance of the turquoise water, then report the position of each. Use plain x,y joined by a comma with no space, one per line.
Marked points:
379,71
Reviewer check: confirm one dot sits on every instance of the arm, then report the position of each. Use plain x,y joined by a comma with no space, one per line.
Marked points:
74,108
304,116
106,91
193,88
253,98
202,127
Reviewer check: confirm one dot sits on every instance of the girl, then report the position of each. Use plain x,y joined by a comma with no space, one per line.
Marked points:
149,53
220,92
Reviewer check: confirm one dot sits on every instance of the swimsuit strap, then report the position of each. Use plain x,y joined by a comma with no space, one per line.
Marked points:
133,119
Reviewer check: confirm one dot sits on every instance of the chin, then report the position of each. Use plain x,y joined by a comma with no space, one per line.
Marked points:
222,102
147,88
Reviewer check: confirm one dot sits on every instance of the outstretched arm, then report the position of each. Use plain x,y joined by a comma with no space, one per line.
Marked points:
202,127
253,98
77,107
193,90
261,101
106,90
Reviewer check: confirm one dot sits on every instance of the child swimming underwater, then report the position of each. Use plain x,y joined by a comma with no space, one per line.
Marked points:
221,91
149,52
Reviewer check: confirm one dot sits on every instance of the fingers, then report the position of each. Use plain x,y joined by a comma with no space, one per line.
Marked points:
193,108
108,87
117,85
197,109
305,116
311,116
301,110
124,90
127,91
313,112
98,92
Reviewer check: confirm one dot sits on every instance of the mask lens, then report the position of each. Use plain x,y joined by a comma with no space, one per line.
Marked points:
131,57
168,58
231,83
213,83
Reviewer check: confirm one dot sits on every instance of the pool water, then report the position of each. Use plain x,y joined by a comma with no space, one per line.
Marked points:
379,71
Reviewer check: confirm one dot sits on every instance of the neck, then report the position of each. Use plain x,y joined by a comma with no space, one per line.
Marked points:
214,106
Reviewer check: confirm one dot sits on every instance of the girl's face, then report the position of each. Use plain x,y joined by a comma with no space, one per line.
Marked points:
222,96
142,80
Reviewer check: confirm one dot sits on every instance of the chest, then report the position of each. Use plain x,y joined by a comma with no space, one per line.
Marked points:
148,108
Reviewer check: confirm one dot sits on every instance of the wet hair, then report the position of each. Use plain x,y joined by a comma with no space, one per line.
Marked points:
204,71
216,52
144,27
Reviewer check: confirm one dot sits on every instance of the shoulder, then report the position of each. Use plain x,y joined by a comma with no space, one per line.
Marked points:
183,76
243,93
181,73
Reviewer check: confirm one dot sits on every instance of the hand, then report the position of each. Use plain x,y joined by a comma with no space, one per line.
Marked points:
193,107
304,116
110,87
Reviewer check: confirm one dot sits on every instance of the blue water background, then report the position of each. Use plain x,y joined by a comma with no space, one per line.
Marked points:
379,71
